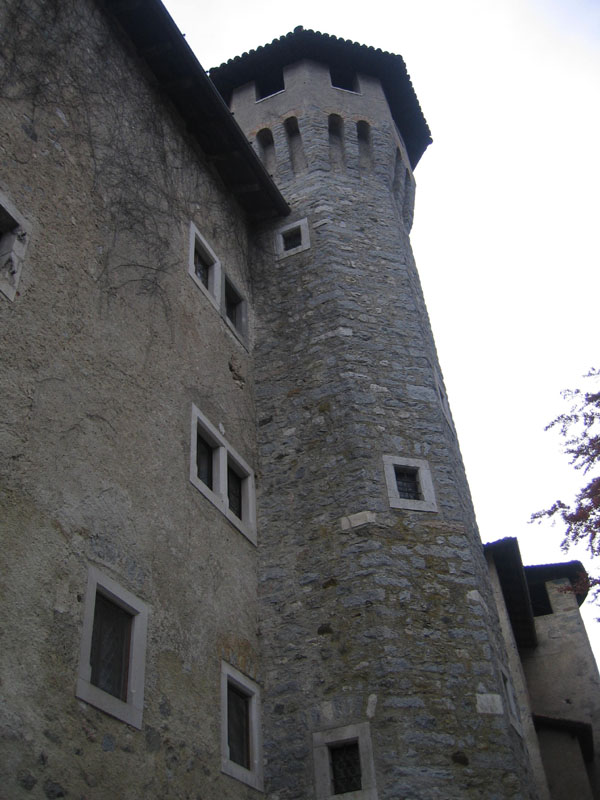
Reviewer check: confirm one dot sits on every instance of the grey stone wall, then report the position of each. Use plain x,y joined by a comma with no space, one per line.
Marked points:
369,614
104,350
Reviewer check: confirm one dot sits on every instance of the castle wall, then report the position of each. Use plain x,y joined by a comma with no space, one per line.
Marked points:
373,616
105,348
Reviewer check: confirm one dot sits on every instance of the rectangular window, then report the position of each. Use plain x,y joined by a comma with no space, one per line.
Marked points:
343,762
235,307
109,654
291,239
234,492
409,483
221,475
204,460
204,267
345,767
241,741
113,649
238,725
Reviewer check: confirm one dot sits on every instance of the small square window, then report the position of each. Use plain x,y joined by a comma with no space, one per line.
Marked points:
222,475
409,484
270,83
344,78
241,741
343,759
204,267
113,650
14,237
291,239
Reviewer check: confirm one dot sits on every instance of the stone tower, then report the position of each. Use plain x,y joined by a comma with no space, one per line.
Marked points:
381,653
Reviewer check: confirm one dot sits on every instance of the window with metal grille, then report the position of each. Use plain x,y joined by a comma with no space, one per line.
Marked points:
407,481
238,725
292,238
109,654
204,460
345,767
234,491
204,267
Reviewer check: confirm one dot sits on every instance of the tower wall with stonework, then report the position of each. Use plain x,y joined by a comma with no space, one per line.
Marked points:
376,620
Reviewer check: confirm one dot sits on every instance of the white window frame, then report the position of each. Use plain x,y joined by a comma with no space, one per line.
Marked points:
302,226
129,711
215,282
13,245
223,454
253,776
323,740
428,503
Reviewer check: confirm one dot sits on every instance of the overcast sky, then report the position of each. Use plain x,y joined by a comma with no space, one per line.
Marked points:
507,216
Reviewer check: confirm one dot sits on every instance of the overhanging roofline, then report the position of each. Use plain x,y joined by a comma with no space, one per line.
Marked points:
573,571
511,574
180,75
316,46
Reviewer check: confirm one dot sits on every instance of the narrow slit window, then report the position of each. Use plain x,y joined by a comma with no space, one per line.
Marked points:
266,149
109,653
336,141
407,481
234,491
345,767
295,146
204,460
270,83
363,134
238,725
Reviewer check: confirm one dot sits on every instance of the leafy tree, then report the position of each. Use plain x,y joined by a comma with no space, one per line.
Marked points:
580,429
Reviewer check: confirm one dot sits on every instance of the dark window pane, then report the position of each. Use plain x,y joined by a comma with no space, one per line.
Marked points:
292,239
204,461
233,305
540,601
202,265
234,492
109,656
343,78
407,482
269,83
238,725
345,767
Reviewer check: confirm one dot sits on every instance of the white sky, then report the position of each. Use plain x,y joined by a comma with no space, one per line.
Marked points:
506,222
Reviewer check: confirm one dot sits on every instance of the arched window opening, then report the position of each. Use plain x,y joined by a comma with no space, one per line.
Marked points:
295,146
336,141
266,149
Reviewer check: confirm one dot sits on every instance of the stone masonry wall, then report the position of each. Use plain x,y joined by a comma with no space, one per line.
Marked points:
368,614
105,348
